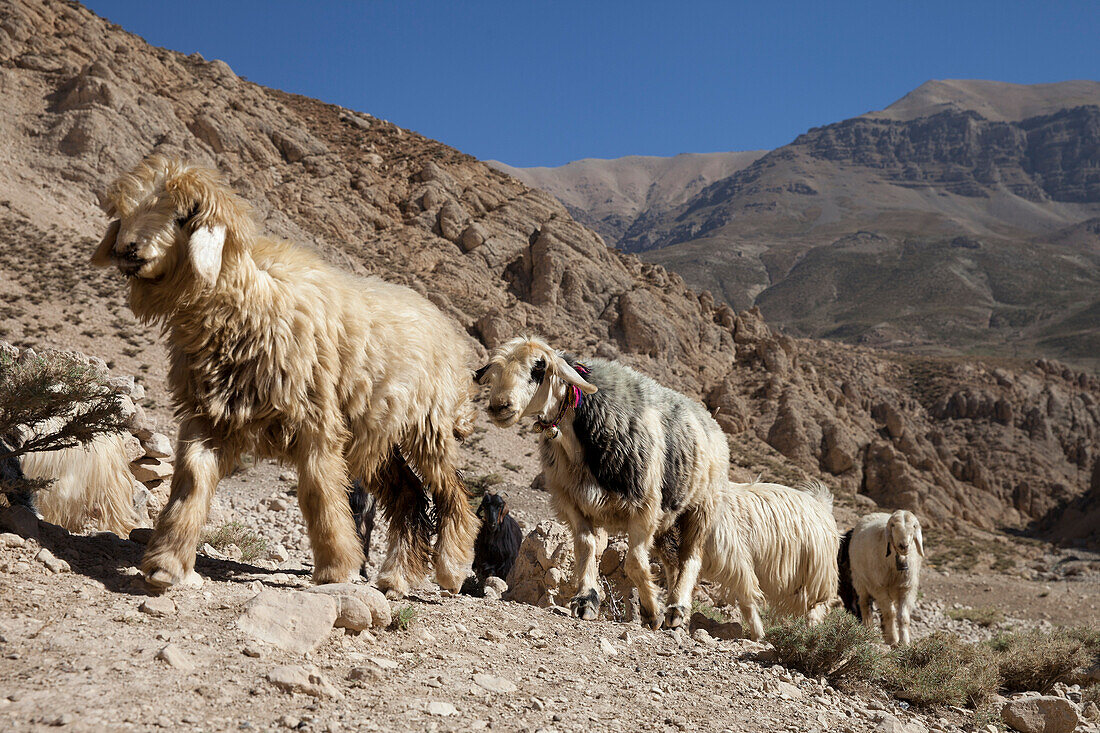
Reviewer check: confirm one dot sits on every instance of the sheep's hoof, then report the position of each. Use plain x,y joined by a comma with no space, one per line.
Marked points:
585,605
674,616
160,579
650,619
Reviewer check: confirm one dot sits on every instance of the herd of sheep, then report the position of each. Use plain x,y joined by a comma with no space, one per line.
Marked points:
361,383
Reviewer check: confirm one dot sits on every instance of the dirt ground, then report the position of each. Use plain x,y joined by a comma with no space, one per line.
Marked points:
76,651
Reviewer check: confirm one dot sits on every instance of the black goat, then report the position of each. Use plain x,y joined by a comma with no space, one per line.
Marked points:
497,543
363,508
845,588
13,484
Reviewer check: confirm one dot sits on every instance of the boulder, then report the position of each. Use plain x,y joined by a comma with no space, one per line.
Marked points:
290,620
1040,714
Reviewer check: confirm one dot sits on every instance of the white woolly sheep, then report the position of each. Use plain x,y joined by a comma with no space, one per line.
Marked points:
776,544
886,569
274,352
91,485
622,453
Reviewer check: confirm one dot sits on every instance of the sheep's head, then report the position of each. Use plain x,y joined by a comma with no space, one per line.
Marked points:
493,509
903,533
172,221
526,377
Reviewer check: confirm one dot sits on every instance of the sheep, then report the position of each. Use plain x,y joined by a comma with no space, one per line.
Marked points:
273,351
620,453
90,485
498,540
771,543
887,571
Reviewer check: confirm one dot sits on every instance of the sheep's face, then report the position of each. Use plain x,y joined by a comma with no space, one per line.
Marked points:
903,533
168,213
492,509
527,378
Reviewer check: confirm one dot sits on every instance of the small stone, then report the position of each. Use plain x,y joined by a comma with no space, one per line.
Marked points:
495,635
20,520
443,709
252,650
496,584
278,504
131,446
1040,714
297,678
359,606
701,636
607,647
158,445
160,606
278,553
175,657
365,674
7,539
151,469
384,663
52,563
494,684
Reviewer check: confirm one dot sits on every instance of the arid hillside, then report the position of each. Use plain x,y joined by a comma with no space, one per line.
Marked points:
614,196
992,444
960,219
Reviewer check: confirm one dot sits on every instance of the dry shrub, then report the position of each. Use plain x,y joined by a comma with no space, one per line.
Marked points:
251,544
1035,660
1091,694
839,648
941,669
985,617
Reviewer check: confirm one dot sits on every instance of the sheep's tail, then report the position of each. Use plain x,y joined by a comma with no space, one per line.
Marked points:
817,490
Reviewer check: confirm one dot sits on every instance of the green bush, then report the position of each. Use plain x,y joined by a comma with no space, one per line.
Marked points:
839,648
941,669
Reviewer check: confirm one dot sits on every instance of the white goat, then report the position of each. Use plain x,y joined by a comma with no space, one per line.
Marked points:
886,570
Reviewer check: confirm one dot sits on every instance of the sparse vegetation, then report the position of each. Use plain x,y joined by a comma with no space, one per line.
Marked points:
941,669
1035,660
404,617
709,611
1091,694
55,390
478,485
614,606
839,648
986,616
251,544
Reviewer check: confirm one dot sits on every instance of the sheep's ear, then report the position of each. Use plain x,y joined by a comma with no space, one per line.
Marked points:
480,373
569,375
102,256
920,541
205,251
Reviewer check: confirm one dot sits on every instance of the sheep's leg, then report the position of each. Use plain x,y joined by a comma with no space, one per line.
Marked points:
637,569
865,611
323,497
904,611
751,624
408,541
690,561
889,621
200,464
433,454
586,540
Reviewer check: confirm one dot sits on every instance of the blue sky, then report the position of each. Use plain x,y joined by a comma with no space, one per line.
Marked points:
545,83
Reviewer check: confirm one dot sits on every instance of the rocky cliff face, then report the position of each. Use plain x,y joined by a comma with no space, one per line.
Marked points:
84,100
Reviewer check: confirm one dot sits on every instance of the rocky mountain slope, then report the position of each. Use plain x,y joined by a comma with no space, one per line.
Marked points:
612,196
991,444
960,217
